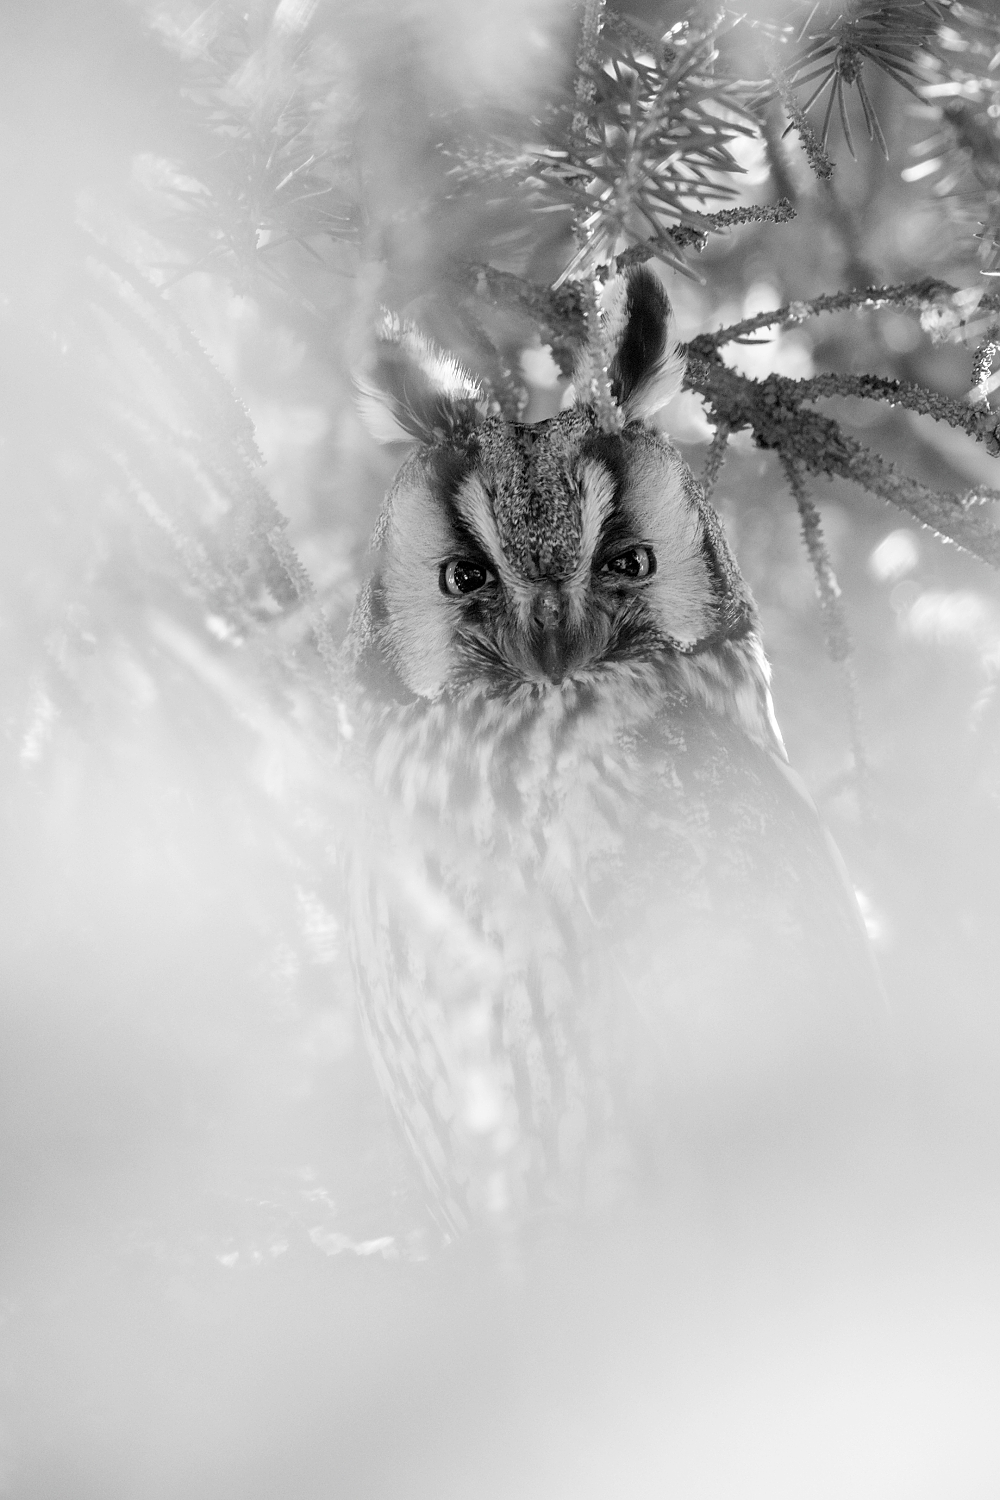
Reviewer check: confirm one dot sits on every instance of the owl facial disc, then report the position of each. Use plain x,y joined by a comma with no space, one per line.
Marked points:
517,556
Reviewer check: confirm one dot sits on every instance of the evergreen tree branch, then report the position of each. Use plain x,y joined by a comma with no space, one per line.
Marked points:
977,423
715,458
696,233
507,388
899,37
195,451
982,364
771,121
838,640
590,373
816,156
557,312
585,87
944,307
772,409
646,148
836,632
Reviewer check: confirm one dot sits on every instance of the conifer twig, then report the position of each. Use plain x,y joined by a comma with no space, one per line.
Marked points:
772,408
900,393
816,156
836,632
917,295
702,225
557,312
715,458
590,373
838,641
982,365
585,87
508,390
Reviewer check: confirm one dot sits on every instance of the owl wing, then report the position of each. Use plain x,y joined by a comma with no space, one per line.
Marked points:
609,936
468,979
731,939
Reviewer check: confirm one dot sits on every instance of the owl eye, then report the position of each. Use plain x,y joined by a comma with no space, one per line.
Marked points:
464,576
637,562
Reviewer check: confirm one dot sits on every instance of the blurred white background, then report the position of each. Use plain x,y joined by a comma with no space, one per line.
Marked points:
215,1281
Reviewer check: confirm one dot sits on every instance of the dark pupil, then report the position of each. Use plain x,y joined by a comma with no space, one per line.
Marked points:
468,577
629,564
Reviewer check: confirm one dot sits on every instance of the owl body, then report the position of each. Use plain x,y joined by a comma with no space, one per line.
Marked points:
592,900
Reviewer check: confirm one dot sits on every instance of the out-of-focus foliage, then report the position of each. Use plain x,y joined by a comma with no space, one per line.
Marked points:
211,1282
270,169
623,155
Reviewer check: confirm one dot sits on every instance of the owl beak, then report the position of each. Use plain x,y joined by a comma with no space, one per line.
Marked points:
551,645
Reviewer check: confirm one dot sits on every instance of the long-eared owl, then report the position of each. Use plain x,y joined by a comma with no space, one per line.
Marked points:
592,902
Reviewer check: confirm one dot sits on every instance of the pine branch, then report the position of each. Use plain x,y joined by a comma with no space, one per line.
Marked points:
781,212
836,633
189,460
507,388
586,66
838,641
261,173
957,518
590,373
960,160
816,156
982,364
944,308
977,423
895,36
714,459
557,312
646,148
772,409
690,235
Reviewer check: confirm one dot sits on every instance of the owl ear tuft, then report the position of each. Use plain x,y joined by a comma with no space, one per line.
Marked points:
645,366
416,391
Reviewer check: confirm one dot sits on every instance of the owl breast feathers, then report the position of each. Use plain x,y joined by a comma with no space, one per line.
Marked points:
592,902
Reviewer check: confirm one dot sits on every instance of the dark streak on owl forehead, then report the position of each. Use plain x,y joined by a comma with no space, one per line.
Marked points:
449,468
532,474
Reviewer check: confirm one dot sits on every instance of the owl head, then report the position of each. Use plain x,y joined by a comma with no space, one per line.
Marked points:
515,558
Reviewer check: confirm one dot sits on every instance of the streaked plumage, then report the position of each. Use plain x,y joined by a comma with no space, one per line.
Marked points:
593,896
